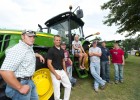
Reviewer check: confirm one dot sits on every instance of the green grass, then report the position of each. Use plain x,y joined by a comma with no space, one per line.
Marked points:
129,90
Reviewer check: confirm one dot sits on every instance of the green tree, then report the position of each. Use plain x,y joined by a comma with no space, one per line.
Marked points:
125,14
131,43
98,38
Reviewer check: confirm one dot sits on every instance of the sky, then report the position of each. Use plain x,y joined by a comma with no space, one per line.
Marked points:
27,14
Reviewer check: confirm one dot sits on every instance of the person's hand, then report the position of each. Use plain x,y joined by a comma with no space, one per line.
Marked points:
24,89
71,63
41,59
109,62
79,49
58,77
123,63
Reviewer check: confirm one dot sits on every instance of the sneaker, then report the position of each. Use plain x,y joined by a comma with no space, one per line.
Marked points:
96,90
121,81
103,87
116,82
73,84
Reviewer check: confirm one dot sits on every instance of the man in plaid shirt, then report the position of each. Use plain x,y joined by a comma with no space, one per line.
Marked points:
18,68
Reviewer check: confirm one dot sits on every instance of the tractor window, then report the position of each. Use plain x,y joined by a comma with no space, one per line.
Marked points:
6,42
77,31
60,29
1,39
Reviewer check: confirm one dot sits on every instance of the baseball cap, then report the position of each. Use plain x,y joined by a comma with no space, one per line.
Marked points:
63,43
29,32
94,42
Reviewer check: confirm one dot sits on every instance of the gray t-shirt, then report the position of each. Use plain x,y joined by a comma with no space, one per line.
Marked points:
96,50
76,44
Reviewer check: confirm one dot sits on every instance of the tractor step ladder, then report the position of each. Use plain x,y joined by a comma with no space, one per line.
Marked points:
81,73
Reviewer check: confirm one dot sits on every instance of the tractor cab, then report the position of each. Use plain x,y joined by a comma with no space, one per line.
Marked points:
66,25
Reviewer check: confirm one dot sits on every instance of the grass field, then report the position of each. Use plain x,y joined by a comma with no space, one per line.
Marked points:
129,90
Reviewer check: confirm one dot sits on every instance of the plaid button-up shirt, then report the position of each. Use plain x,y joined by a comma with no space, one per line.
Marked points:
20,59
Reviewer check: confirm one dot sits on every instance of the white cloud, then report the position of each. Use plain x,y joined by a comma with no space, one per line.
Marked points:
22,14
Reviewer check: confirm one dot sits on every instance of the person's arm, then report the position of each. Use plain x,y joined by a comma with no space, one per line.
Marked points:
50,66
109,60
10,64
95,53
82,49
70,61
64,65
40,57
123,59
12,81
123,63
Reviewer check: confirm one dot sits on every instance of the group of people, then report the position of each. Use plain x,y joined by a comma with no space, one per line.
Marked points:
19,66
100,59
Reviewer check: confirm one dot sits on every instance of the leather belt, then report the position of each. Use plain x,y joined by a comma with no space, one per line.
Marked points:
25,78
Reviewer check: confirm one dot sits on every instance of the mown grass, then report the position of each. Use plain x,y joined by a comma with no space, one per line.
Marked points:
129,90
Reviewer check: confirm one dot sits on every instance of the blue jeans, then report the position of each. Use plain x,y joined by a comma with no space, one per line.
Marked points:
105,70
69,71
15,95
118,71
95,72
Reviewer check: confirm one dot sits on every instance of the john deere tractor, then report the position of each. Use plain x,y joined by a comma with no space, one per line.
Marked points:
66,25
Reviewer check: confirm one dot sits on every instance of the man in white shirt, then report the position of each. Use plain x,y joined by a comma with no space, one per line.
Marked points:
95,53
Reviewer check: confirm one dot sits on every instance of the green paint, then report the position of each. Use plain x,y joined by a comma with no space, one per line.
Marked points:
9,38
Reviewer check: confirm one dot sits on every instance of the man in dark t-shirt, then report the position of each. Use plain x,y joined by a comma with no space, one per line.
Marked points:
56,64
105,61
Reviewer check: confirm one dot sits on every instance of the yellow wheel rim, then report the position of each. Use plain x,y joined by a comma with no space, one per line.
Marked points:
137,54
43,82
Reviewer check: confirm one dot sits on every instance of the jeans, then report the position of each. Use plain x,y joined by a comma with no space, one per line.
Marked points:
105,70
15,95
69,71
95,72
56,85
118,71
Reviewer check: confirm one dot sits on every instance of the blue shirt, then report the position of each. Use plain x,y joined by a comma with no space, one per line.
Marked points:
105,54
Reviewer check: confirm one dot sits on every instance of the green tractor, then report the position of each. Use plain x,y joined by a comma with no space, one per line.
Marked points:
66,25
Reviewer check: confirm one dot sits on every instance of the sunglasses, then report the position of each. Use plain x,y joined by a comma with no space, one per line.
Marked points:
29,32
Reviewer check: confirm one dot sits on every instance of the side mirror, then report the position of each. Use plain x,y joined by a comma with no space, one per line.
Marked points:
79,13
40,28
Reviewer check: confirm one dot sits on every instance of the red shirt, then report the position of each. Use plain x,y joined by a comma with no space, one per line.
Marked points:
117,55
